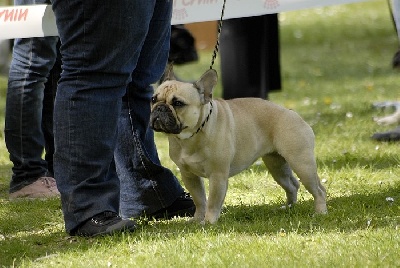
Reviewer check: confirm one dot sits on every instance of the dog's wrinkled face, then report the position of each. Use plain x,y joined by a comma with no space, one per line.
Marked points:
177,106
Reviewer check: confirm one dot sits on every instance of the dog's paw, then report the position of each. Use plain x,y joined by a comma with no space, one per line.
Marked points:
198,218
321,209
287,206
211,218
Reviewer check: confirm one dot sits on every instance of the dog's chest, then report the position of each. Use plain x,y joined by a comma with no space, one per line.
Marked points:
194,162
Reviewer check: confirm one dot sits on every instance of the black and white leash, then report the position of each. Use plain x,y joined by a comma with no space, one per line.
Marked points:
214,56
216,48
205,121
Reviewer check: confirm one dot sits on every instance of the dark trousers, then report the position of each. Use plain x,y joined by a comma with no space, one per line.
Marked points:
250,61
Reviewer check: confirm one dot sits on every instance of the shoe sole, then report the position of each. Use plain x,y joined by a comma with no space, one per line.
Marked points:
180,213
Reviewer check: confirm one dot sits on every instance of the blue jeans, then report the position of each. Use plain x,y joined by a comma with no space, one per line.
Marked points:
107,48
137,162
27,122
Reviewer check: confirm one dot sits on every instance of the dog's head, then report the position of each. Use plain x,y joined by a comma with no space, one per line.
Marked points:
177,107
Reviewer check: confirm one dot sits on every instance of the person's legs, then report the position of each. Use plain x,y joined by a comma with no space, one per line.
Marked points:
50,90
395,10
146,186
31,63
32,60
250,64
101,44
388,136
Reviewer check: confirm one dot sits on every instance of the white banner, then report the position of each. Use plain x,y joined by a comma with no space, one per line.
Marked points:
39,20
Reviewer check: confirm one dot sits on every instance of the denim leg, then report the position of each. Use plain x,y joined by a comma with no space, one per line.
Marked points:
101,44
50,89
31,63
146,186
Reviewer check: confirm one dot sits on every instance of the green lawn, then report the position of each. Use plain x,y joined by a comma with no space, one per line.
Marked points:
336,62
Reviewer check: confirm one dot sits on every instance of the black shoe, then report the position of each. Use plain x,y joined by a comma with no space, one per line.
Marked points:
183,206
390,136
396,60
104,223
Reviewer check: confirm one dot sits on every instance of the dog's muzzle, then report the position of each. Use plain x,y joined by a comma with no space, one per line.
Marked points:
162,119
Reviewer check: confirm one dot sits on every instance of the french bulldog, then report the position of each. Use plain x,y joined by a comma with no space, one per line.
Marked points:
216,139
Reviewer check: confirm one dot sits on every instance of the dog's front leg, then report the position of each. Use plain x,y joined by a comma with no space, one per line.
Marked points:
195,186
217,191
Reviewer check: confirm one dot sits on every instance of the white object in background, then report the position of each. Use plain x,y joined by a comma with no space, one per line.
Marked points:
39,20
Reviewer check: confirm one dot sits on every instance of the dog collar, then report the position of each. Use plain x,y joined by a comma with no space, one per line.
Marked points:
205,121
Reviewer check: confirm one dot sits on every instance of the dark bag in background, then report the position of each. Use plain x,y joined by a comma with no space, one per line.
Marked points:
182,46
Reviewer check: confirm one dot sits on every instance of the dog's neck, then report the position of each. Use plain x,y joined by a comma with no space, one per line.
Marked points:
189,135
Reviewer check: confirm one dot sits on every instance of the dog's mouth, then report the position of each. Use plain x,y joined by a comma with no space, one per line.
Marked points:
162,119
160,125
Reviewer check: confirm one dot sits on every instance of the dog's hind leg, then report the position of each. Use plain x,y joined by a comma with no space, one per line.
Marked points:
283,175
305,167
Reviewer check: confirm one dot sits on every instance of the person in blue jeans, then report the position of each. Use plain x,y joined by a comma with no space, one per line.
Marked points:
28,121
112,51
392,135
147,188
157,193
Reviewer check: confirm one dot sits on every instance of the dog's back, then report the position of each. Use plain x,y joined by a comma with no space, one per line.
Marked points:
260,127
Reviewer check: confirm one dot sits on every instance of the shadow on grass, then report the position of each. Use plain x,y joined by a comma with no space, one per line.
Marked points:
34,231
350,160
346,214
347,160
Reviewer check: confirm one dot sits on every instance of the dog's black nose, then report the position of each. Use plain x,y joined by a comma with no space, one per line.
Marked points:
161,108
162,119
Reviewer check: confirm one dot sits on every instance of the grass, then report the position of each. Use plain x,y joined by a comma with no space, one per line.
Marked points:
335,64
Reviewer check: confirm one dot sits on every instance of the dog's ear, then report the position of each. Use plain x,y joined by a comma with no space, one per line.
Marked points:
206,84
168,73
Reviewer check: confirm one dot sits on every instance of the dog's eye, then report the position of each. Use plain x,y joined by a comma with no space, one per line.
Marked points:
153,99
177,103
